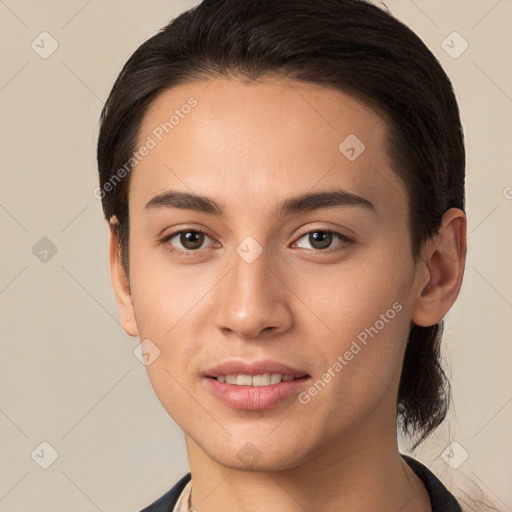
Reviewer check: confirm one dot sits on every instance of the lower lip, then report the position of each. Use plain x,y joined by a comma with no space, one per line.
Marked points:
254,398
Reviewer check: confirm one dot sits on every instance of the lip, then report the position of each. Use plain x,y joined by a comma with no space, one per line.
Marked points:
239,367
254,398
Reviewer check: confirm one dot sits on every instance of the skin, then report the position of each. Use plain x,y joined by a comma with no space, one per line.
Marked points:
248,147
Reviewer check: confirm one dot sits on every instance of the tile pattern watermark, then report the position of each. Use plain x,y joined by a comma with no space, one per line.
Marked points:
465,49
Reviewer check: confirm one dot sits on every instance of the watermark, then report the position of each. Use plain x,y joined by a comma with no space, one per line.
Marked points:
249,454
44,455
249,249
351,147
454,45
157,135
356,346
44,250
454,455
44,45
146,352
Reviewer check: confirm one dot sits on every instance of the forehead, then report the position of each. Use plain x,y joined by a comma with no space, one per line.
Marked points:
264,141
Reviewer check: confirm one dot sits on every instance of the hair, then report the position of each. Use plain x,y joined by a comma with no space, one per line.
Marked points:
347,45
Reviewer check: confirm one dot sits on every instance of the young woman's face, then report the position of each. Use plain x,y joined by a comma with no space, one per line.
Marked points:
321,289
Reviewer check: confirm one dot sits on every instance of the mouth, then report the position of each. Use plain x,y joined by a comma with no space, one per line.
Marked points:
265,379
254,386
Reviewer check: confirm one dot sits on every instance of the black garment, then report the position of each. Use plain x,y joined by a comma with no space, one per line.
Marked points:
440,498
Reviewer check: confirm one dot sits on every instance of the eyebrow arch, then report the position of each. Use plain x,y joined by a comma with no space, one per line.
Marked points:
322,199
306,202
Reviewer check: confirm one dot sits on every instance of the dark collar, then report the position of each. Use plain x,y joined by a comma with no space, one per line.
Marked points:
441,499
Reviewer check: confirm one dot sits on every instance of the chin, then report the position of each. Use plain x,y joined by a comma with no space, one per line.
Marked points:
249,456
272,464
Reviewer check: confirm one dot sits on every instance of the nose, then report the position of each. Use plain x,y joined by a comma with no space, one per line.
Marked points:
254,298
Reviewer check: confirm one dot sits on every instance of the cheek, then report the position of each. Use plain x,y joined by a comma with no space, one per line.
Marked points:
359,321
165,294
352,296
168,301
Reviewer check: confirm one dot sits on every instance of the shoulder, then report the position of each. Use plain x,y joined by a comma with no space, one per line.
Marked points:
441,499
166,502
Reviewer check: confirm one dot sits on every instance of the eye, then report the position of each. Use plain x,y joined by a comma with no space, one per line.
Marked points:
185,241
320,240
189,241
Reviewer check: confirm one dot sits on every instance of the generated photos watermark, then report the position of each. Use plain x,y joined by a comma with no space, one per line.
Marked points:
157,135
356,346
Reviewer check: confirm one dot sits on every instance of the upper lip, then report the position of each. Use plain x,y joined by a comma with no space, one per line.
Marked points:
239,367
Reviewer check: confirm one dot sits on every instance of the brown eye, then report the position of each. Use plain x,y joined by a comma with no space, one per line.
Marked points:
191,239
186,241
321,240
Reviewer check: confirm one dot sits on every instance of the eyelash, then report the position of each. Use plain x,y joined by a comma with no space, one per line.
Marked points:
343,238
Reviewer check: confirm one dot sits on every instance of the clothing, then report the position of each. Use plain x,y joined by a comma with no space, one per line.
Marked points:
441,499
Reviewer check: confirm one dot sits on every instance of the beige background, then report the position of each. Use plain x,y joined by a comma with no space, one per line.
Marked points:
68,375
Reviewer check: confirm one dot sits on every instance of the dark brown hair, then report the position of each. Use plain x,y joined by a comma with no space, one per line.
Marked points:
349,45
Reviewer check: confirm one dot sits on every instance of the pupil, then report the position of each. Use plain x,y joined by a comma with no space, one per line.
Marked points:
322,239
192,239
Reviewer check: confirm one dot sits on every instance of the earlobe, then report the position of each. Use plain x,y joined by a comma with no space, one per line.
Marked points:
440,270
120,283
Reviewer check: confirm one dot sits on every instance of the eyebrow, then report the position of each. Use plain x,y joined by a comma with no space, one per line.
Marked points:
303,203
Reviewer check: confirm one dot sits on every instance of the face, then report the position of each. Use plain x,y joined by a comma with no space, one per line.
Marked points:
295,260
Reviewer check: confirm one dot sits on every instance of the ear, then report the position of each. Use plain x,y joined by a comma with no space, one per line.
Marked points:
440,270
120,283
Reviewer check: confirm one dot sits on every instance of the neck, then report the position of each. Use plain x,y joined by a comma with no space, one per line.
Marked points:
353,475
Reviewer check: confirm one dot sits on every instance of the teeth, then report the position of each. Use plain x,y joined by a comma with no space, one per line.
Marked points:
275,378
266,379
244,380
261,380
